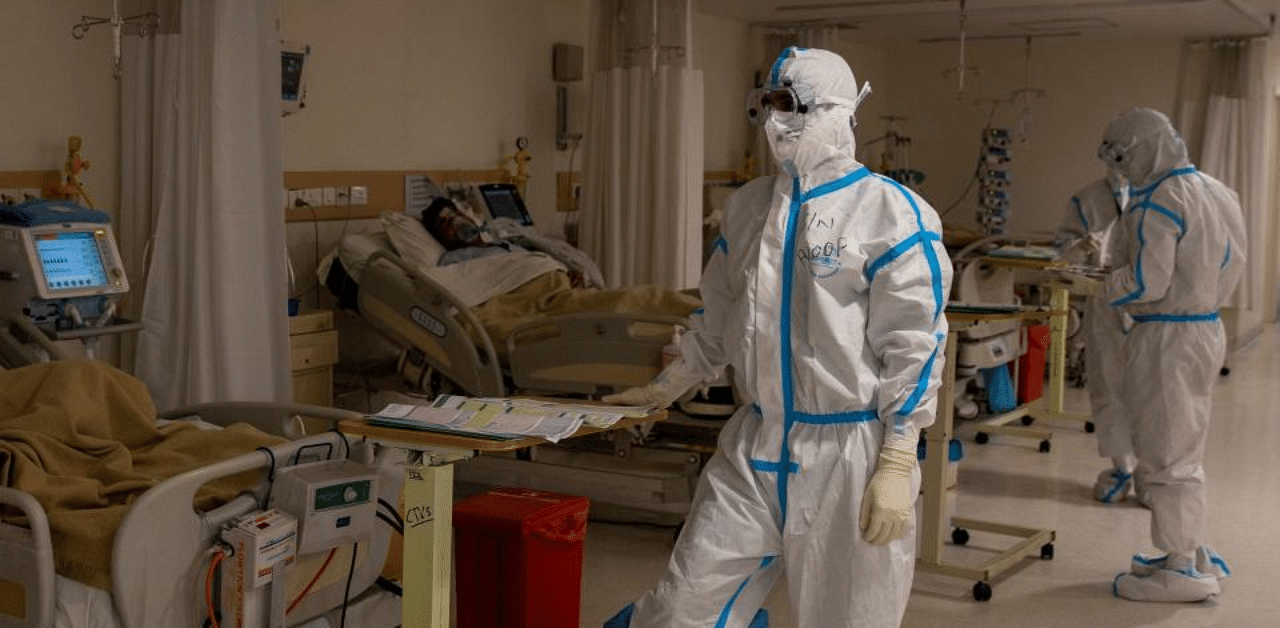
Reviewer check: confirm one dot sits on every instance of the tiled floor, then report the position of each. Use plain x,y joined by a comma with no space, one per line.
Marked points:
1009,481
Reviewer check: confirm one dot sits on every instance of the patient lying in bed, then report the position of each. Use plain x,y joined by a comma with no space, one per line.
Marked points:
508,274
82,438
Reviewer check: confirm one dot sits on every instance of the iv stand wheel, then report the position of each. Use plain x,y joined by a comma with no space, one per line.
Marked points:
960,536
981,591
981,438
1046,551
1028,420
1089,426
1044,447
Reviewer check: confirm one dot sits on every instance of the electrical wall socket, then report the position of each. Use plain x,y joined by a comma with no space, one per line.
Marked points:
329,196
10,196
29,194
359,195
291,197
313,197
342,196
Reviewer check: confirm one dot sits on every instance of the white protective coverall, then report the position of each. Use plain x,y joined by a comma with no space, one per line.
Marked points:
826,292
1182,252
1086,237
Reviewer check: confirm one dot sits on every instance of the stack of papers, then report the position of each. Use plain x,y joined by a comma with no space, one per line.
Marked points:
502,419
1027,251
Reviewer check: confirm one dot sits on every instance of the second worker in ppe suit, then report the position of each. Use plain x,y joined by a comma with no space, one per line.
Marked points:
1087,237
1180,255
826,293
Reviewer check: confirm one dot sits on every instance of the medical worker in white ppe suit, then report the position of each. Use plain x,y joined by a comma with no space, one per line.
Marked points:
1181,253
1087,236
826,294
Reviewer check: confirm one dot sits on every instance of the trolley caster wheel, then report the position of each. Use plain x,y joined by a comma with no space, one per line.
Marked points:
1046,551
981,438
1089,426
981,591
959,536
1224,371
1028,420
1044,446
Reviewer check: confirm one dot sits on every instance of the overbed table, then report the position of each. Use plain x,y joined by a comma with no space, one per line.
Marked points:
428,506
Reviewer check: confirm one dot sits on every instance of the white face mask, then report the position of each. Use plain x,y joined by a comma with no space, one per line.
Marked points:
783,132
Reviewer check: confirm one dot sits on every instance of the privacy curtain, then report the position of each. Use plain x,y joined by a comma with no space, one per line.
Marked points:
642,183
202,226
1224,115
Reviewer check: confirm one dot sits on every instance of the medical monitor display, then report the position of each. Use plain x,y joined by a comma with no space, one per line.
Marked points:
504,201
71,260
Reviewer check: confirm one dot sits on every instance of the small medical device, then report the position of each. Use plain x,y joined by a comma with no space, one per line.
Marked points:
334,501
263,545
503,201
59,267
293,85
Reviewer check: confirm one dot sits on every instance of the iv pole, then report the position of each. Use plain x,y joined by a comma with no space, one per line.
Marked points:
146,23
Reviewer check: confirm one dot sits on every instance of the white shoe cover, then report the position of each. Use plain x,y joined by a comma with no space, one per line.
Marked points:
1112,486
1207,562
1166,585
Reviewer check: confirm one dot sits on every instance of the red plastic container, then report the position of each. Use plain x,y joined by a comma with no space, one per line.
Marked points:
518,559
1031,366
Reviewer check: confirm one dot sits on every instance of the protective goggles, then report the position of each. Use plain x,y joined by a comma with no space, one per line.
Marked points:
1111,153
761,101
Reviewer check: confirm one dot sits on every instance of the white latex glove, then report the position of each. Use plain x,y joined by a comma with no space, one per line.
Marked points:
673,382
889,505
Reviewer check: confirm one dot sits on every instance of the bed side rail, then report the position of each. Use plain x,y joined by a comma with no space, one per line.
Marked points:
589,354
290,420
161,551
430,320
26,565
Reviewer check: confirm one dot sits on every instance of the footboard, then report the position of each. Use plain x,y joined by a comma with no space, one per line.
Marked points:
438,329
589,354
26,565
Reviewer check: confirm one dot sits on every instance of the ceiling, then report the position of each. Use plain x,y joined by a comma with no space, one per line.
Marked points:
931,20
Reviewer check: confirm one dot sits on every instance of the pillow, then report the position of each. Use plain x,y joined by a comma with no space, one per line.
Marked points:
411,240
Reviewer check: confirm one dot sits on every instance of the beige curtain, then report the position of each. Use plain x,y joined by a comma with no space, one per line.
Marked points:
201,205
642,182
1224,113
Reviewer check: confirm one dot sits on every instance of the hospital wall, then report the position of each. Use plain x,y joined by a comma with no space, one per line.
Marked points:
1080,83
1084,82
437,85
56,86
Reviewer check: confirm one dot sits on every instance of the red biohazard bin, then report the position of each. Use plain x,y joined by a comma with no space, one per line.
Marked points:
518,559
1031,366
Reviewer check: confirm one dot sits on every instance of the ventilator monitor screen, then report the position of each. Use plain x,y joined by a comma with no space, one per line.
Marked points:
504,202
71,260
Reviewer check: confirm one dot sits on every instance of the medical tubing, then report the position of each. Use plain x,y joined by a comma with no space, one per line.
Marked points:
328,456
271,474
346,593
391,510
969,186
314,579
398,527
208,587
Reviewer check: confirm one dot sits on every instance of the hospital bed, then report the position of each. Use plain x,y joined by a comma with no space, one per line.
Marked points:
451,338
163,547
449,344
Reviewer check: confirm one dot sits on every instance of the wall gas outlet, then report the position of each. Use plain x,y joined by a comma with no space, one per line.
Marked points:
359,195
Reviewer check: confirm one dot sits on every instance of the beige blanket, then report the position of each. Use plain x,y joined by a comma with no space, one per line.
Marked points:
81,437
552,293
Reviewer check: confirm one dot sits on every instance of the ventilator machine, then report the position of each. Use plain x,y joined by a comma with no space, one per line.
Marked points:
61,278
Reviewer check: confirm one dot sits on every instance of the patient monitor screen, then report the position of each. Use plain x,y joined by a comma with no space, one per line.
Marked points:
504,202
71,260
